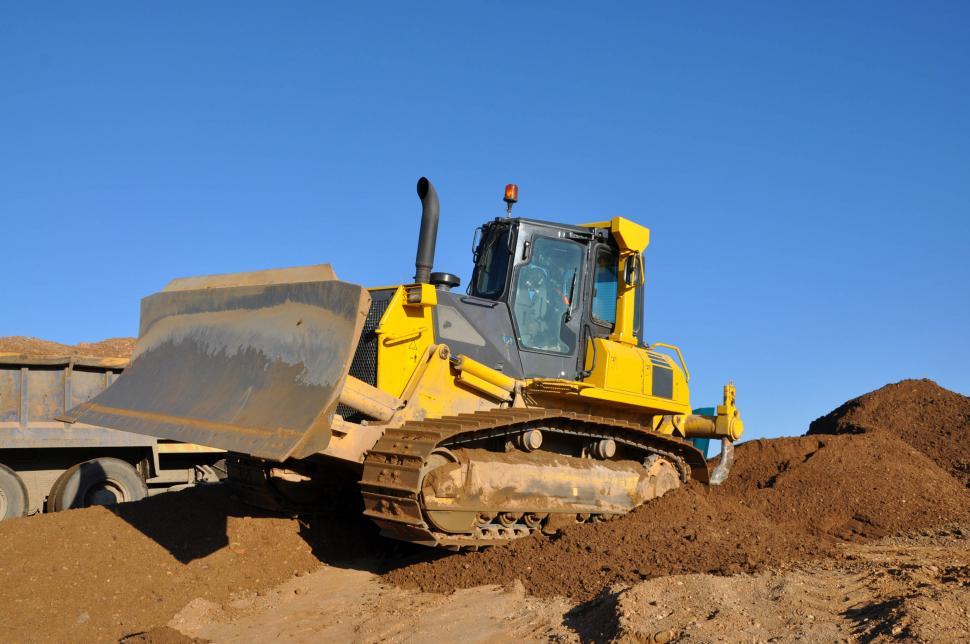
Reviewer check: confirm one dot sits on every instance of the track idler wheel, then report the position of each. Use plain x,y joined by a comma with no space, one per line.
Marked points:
534,520
509,519
438,482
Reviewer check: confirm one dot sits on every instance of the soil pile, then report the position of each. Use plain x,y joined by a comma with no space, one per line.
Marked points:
693,529
786,499
932,419
110,348
98,574
850,487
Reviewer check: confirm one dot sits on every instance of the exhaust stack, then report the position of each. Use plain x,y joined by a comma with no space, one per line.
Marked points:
429,231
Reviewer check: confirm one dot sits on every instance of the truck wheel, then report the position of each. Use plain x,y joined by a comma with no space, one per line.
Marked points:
13,494
101,481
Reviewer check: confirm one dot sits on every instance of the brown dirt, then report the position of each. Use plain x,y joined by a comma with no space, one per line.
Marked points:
932,419
913,588
787,499
883,591
693,529
110,348
345,605
161,635
98,574
851,487
797,527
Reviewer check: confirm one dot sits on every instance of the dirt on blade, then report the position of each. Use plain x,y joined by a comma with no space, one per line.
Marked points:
932,419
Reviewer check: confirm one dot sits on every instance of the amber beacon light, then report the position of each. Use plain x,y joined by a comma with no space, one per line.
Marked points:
511,196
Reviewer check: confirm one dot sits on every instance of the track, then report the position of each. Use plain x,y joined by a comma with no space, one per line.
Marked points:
395,468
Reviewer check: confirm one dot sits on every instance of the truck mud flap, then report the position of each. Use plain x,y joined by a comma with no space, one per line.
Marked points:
248,362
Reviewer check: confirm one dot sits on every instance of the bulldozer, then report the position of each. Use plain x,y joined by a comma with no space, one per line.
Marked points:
464,419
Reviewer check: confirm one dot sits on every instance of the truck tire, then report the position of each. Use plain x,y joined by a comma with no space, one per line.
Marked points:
13,494
100,481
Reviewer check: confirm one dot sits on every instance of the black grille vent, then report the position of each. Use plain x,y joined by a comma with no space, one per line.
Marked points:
364,364
663,382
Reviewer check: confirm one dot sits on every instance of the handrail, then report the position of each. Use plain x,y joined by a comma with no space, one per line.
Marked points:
683,363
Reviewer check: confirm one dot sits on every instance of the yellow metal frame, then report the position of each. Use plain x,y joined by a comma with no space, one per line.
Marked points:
622,373
631,239
404,335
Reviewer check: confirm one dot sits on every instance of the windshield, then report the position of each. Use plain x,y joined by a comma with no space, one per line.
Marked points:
543,291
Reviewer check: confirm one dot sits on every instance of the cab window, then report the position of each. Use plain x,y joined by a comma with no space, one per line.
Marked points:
604,287
543,291
493,266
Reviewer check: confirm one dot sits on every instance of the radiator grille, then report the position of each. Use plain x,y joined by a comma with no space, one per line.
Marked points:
364,364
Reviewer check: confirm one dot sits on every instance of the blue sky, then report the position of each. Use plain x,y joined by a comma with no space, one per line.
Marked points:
804,167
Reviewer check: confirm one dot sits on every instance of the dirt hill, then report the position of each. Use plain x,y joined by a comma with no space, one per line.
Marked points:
934,420
787,500
96,574
851,487
883,468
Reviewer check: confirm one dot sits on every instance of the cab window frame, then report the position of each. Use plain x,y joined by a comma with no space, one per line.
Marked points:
506,234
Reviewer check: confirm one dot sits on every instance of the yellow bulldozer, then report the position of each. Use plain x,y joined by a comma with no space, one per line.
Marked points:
464,419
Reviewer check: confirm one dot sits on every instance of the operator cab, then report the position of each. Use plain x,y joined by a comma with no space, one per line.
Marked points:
538,293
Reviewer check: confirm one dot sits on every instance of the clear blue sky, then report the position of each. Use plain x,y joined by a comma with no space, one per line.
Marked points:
804,167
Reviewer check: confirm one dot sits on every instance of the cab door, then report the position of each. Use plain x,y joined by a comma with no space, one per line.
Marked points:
545,299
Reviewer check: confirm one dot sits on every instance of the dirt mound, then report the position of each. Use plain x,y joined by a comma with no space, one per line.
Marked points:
110,348
786,500
98,574
932,419
851,487
694,529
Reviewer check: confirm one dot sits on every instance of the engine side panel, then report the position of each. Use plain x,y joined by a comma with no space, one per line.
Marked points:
480,329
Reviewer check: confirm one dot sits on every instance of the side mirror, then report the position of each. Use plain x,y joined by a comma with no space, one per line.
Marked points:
633,271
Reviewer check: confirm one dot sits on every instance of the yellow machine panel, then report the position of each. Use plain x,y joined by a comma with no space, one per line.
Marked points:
404,334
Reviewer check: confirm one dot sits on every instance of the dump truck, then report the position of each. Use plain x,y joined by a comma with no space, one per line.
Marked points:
463,419
48,464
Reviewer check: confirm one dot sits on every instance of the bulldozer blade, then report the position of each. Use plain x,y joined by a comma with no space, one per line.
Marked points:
248,362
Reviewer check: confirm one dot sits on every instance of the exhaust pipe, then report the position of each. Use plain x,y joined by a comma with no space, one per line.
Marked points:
429,231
